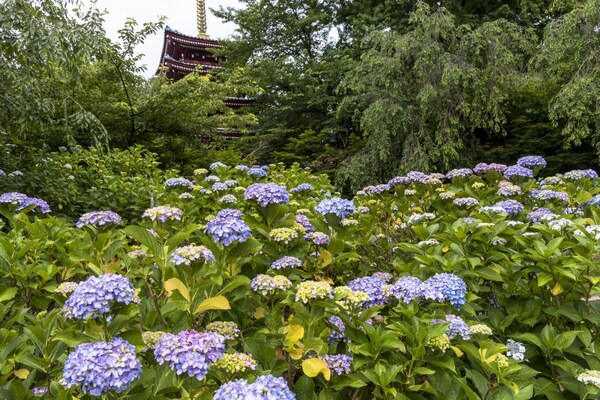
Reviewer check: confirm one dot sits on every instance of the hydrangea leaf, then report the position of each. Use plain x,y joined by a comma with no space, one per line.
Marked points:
314,367
175,284
213,303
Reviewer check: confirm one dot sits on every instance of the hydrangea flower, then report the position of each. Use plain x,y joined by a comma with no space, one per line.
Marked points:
179,182
399,180
405,289
592,230
318,238
218,164
38,391
284,235
229,330
188,254
377,189
428,243
466,202
312,290
228,227
257,171
457,327
384,276
98,218
507,188
94,296
440,342
450,286
219,187
337,206
549,195
511,207
303,187
460,172
66,287
22,201
231,183
517,171
286,261
268,387
416,176
492,210
447,195
339,331
100,367
150,338
349,298
516,350
228,199
418,218
190,352
186,195
482,168
480,329
305,222
578,174
200,171
372,286
532,162
234,390
267,285
163,213
339,364
267,193
560,224
212,178
236,362
242,167
40,204
590,377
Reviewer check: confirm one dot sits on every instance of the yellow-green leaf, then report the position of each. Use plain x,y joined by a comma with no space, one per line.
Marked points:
175,284
8,293
457,351
326,258
214,303
314,366
294,332
557,289
22,373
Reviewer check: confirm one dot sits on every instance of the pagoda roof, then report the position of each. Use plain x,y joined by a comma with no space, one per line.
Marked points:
192,40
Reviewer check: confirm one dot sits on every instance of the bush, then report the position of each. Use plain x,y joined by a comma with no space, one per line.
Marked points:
413,295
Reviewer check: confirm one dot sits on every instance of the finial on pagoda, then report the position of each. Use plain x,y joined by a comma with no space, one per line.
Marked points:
201,18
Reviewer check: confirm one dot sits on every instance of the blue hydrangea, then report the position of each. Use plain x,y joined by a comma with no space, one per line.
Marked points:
578,174
242,167
338,330
517,171
228,227
286,261
179,182
416,176
538,214
190,352
450,286
372,286
466,202
460,172
482,168
98,218
217,164
337,206
549,195
516,350
305,222
399,180
457,327
231,183
94,296
405,289
22,201
339,364
257,171
377,189
512,207
212,178
40,204
532,162
218,187
267,193
100,367
268,387
303,187
234,390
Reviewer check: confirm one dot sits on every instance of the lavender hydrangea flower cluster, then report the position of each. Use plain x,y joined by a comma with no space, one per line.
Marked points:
303,187
532,162
338,333
549,195
511,207
538,215
371,285
457,327
179,182
98,218
466,202
217,164
228,227
190,352
507,188
94,296
100,367
416,176
339,364
267,193
266,387
257,171
399,180
405,289
267,285
219,187
459,173
482,168
450,286
318,238
305,222
188,254
516,350
517,171
163,213
377,189
337,206
286,261
578,174
23,201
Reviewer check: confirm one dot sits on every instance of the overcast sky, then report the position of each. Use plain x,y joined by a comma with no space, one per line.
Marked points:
181,16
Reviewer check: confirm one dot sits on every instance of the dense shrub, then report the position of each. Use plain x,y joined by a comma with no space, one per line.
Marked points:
456,286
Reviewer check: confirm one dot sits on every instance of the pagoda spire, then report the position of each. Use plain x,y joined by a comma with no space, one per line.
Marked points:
201,18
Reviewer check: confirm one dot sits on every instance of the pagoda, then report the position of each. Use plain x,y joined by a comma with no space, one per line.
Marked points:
183,54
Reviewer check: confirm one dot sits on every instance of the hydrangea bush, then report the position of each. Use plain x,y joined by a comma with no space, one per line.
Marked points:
481,283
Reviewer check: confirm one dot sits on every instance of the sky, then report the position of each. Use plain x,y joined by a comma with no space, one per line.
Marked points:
181,16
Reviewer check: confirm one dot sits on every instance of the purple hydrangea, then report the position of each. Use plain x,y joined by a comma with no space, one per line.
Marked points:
450,286
460,172
372,286
100,367
337,206
286,261
339,331
399,180
13,198
234,390
305,222
303,187
163,213
532,162
339,364
179,182
549,195
482,168
190,352
267,193
537,215
377,189
268,387
405,289
98,218
257,171
219,187
231,183
416,176
268,285
517,171
94,296
228,227
512,207
40,204
457,327
578,174
188,254
466,202
318,238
